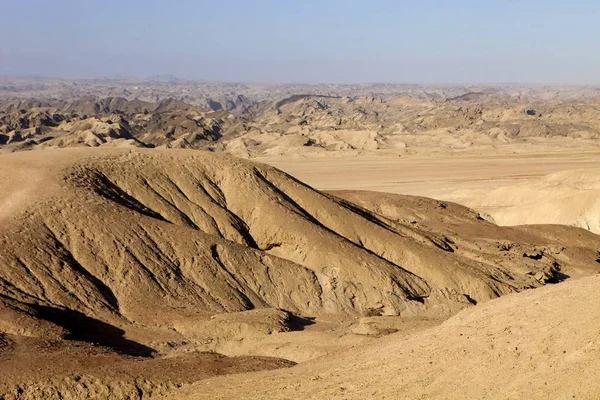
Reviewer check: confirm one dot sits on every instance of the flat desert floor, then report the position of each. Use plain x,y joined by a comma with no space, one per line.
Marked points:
512,187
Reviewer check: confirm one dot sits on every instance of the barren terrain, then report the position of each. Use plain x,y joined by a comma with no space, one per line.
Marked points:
517,154
516,187
160,238
542,344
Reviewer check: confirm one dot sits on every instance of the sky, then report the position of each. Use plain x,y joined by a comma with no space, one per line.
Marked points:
309,41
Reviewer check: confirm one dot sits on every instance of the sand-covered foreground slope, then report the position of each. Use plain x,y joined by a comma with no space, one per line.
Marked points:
540,344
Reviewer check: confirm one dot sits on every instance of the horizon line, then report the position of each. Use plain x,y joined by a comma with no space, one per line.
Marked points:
176,80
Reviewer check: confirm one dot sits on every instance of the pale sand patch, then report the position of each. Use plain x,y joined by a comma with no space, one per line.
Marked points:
489,182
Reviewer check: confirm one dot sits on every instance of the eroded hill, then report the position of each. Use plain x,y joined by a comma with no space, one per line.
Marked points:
538,345
305,125
156,253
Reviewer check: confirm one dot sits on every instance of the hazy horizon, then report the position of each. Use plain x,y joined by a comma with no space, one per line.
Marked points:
184,80
334,42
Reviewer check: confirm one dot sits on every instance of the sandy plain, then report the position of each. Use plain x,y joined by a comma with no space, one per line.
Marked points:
486,180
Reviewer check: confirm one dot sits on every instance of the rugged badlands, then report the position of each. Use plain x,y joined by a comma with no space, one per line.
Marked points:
123,270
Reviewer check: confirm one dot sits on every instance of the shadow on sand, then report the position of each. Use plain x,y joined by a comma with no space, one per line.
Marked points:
86,329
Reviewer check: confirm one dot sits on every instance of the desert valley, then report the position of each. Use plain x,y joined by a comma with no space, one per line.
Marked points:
174,239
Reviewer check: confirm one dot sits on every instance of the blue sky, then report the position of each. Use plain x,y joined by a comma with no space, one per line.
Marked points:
418,41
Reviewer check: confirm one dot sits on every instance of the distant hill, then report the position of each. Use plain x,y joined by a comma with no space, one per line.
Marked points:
165,78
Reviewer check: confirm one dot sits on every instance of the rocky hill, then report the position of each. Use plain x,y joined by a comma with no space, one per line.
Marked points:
152,254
